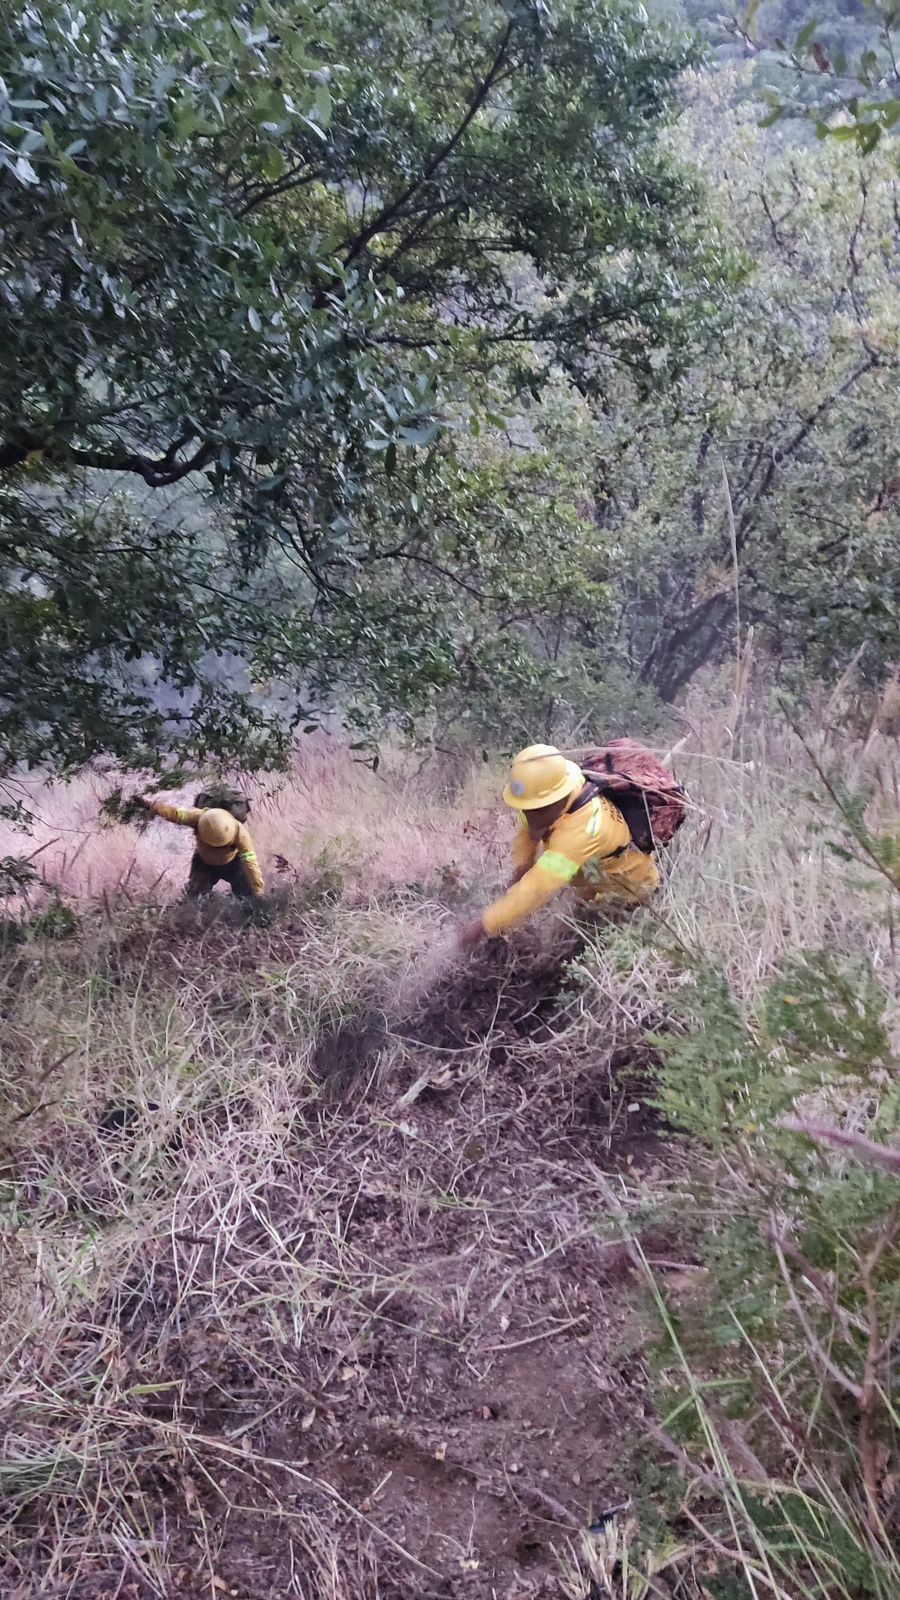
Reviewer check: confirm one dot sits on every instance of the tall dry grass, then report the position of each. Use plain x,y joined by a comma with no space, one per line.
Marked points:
179,1270
752,876
373,829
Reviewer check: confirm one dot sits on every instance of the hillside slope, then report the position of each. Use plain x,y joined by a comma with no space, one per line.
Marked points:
314,1280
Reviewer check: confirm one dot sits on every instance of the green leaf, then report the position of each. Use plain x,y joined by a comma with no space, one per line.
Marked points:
323,104
421,435
750,17
869,135
186,119
313,127
24,170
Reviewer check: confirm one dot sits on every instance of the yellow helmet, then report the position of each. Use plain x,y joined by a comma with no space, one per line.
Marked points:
217,828
539,776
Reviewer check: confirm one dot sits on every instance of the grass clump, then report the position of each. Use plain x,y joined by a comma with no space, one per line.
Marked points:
333,1265
776,1349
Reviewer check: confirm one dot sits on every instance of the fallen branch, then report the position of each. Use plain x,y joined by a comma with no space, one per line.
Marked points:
865,1150
534,1338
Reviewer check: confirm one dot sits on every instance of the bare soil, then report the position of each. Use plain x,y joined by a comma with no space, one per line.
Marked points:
460,1405
481,1420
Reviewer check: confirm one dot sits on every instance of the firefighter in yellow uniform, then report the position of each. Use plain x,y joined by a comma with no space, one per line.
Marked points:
569,834
223,849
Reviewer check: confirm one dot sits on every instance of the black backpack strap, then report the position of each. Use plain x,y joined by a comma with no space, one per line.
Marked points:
593,791
590,792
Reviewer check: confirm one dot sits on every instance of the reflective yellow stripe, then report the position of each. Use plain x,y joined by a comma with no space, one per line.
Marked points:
248,855
561,866
596,820
181,814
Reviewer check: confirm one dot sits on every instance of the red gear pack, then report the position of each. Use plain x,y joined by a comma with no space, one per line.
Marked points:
652,801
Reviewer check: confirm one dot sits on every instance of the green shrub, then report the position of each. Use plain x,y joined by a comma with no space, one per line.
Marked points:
774,1371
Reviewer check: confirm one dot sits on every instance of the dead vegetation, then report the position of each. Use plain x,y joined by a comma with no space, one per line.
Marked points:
313,1278
247,1294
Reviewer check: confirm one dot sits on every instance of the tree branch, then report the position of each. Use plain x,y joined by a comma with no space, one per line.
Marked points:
273,191
156,474
799,438
390,212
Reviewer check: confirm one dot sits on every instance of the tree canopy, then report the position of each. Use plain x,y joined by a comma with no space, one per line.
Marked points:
832,67
287,254
765,491
418,364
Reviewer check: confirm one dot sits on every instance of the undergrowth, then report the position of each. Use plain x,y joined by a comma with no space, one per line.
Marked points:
280,1196
777,1427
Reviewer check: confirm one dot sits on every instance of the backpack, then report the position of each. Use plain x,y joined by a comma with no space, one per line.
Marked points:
646,793
224,799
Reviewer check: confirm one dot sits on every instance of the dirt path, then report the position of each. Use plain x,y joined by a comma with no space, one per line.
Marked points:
368,1334
471,1412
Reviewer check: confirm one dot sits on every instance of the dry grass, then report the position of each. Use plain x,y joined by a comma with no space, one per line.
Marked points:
245,1280
330,815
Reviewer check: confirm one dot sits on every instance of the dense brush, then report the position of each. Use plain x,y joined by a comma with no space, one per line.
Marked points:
314,1281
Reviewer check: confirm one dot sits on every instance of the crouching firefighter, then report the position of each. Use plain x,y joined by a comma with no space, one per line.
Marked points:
593,826
223,848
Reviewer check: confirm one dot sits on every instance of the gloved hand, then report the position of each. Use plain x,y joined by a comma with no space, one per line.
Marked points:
471,935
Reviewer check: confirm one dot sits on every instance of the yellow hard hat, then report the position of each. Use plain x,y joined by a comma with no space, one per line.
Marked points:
217,828
539,776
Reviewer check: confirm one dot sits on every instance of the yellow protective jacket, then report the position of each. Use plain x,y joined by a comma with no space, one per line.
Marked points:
591,849
189,816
